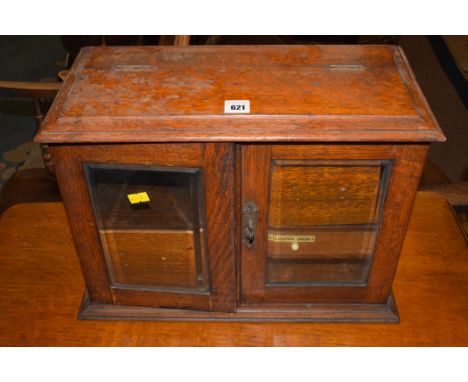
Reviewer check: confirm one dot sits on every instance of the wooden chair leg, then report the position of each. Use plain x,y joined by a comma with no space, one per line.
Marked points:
183,40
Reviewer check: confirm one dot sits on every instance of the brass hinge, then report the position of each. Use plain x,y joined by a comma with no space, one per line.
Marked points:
346,67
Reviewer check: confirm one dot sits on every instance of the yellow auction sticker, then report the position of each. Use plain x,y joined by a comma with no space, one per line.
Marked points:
140,197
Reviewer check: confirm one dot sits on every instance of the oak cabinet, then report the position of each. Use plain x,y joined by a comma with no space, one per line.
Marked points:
239,183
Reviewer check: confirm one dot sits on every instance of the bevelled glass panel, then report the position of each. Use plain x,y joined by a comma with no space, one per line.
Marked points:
324,217
151,225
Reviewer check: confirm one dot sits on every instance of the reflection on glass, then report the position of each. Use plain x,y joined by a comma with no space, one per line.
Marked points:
151,225
323,220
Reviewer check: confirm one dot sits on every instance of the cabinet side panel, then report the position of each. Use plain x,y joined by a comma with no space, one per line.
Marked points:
74,191
404,181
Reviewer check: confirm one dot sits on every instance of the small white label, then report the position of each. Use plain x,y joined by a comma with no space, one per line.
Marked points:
237,106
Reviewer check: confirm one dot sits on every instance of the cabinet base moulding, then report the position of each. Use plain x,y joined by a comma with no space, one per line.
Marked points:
357,312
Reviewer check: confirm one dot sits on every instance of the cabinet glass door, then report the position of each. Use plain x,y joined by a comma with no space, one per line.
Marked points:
151,225
317,221
323,220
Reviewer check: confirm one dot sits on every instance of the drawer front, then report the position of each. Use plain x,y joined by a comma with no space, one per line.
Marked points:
309,193
326,255
161,259
333,243
298,272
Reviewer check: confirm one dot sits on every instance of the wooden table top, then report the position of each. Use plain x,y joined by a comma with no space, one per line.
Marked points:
41,290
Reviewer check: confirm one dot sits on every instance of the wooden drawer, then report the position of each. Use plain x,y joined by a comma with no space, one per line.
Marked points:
153,258
327,243
304,271
307,193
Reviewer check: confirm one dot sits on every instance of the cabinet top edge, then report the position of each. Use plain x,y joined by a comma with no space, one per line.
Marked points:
296,93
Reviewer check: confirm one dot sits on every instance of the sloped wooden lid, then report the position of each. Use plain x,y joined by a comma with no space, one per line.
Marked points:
296,93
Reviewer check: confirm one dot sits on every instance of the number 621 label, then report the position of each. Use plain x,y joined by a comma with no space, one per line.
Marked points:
236,106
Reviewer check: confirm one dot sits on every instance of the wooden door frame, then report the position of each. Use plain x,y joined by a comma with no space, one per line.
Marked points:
217,164
406,168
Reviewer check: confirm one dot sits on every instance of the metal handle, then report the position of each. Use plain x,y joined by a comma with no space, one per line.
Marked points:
249,223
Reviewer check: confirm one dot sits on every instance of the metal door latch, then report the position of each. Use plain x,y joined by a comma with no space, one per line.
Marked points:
249,223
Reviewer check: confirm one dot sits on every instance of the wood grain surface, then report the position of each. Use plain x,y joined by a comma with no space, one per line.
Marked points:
336,243
306,271
141,257
296,93
42,289
311,193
